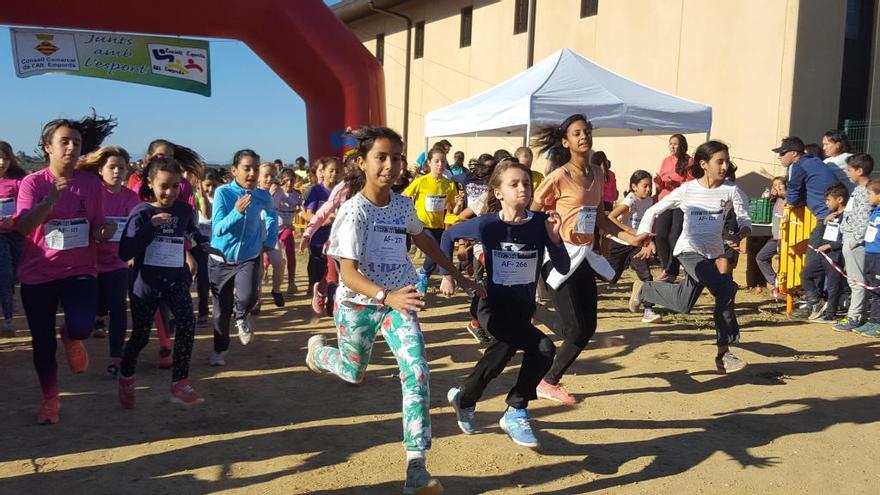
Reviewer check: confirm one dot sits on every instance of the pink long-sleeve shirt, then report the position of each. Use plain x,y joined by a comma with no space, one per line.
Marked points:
334,201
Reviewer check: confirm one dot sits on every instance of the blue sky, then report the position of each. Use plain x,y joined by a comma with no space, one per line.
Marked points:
250,107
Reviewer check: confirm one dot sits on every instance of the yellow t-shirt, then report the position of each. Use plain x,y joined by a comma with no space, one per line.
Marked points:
432,197
537,178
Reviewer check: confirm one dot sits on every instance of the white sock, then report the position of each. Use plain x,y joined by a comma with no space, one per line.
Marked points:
415,455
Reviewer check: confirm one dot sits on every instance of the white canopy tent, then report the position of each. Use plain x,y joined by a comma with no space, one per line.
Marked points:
563,84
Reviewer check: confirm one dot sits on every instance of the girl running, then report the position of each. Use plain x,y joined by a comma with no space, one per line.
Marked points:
205,202
272,256
376,293
154,238
705,203
434,196
110,163
514,240
575,191
673,173
327,170
238,235
60,214
288,202
627,216
191,163
11,241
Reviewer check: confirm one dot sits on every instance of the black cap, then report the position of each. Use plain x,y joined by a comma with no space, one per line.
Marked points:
790,143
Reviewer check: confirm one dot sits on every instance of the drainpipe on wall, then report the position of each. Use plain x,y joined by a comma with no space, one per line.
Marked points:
530,60
407,69
530,57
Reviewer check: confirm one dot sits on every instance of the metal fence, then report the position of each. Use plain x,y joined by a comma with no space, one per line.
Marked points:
864,135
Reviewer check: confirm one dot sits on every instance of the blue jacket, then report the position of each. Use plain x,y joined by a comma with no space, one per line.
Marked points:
808,179
240,236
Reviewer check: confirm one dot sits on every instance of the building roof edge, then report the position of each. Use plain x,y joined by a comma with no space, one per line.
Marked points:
351,10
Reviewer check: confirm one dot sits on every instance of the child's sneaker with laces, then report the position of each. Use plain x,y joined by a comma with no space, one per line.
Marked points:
319,301
847,324
183,393
126,392
77,355
555,393
865,327
464,415
48,412
217,359
872,331
419,481
245,332
278,299
728,363
315,342
515,422
650,316
477,332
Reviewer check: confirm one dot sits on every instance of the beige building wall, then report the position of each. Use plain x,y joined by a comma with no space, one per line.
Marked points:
767,67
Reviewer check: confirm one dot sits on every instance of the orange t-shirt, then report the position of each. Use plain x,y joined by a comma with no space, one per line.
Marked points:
576,205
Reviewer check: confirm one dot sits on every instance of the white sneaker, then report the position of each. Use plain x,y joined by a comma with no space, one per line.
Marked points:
650,316
218,359
315,342
245,334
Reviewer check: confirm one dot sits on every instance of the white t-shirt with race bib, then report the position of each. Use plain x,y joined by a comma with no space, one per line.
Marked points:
704,212
375,237
637,209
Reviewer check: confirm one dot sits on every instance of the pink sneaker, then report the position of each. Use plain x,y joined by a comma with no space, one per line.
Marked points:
667,277
555,393
318,300
126,392
48,412
183,393
77,356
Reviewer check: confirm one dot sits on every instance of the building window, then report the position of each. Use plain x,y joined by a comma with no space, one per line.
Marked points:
589,8
420,40
467,22
380,48
521,17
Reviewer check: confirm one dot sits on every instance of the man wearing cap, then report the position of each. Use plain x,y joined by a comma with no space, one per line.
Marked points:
808,179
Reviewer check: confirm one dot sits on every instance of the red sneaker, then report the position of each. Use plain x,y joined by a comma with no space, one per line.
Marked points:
77,355
318,300
126,392
165,358
555,393
48,412
183,393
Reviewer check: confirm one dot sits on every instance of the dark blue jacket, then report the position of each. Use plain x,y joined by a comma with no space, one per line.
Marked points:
808,179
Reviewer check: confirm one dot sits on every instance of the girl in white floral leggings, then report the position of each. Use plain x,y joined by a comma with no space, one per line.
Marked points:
377,293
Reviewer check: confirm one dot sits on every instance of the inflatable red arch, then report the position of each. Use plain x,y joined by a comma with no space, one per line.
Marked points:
302,41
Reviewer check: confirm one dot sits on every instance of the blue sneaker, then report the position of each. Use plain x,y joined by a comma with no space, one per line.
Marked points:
847,325
422,286
515,423
464,415
869,330
866,327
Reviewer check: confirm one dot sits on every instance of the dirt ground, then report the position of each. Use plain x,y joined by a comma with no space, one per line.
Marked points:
655,417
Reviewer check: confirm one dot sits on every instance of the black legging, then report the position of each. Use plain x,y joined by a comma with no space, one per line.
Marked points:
576,302
668,228
511,326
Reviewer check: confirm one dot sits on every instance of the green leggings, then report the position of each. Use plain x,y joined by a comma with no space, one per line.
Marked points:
356,330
